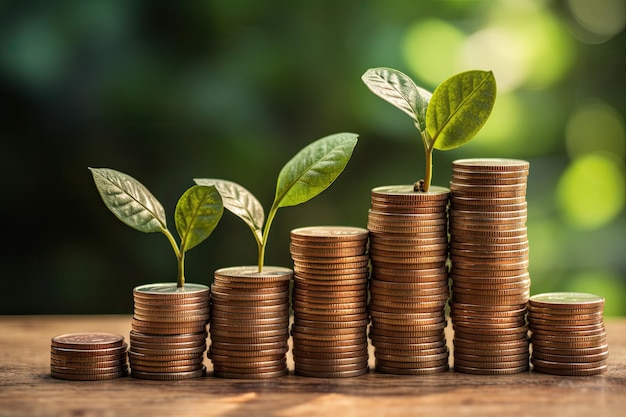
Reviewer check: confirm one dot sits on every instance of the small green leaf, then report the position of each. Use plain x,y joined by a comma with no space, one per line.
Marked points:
398,89
313,169
459,107
239,201
197,213
129,200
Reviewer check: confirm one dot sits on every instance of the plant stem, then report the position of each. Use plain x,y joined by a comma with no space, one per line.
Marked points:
429,169
266,232
180,282
428,153
180,257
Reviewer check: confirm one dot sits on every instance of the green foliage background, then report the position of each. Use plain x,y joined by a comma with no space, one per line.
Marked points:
171,91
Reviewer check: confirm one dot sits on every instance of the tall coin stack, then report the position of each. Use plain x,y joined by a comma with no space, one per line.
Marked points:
88,356
168,336
409,283
567,334
250,322
489,255
330,301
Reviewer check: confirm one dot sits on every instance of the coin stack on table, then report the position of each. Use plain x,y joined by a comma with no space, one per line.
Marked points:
567,333
168,336
250,322
88,356
330,301
489,256
409,283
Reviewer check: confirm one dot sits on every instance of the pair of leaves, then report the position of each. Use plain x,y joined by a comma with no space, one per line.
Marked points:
451,116
197,213
306,175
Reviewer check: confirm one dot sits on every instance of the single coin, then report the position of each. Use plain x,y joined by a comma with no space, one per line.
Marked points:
538,354
88,377
412,371
170,291
567,300
330,368
489,338
113,351
261,353
422,343
298,252
567,365
168,376
330,325
88,341
339,374
560,344
490,371
298,328
550,350
259,375
571,372
326,354
332,233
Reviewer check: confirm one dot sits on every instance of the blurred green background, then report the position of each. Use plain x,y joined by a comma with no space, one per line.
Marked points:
168,91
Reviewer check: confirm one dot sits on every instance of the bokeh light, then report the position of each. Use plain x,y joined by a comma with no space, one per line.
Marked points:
597,21
594,127
591,191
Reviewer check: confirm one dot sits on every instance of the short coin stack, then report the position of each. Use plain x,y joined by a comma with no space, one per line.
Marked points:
409,284
250,322
88,356
489,255
330,301
168,336
567,334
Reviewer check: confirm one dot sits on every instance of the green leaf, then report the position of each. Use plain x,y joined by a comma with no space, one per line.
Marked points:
129,200
459,107
239,201
313,169
197,213
398,89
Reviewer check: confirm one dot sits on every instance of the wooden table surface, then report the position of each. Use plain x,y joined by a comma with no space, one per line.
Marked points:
26,388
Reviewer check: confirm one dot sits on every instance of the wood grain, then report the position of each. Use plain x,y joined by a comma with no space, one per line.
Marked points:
26,388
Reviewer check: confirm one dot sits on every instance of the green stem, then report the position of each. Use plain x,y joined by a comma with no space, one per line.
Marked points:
180,282
429,169
266,232
180,257
428,152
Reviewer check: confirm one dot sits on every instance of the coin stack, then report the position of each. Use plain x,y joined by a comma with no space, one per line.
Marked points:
250,322
168,336
88,356
409,284
489,255
330,301
567,334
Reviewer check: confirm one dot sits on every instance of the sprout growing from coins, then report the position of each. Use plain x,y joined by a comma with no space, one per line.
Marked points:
306,175
197,213
447,118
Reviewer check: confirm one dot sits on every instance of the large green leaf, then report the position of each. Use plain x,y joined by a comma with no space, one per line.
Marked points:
197,213
313,169
239,201
398,89
129,200
459,107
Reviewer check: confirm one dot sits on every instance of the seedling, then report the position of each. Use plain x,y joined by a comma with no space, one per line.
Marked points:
446,119
197,212
306,175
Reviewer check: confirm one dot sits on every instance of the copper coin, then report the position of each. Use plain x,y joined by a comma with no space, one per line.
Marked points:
567,365
331,325
356,342
86,377
299,252
298,328
572,372
421,344
538,354
329,233
415,363
234,346
411,371
169,291
493,338
328,355
550,350
260,353
568,301
113,351
337,262
331,317
490,371
567,344
260,375
168,376
88,341
339,374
